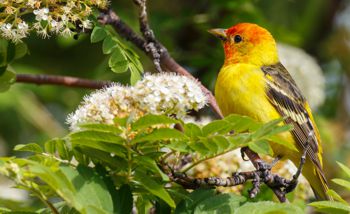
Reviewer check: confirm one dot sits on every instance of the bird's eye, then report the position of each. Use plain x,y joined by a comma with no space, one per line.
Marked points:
238,39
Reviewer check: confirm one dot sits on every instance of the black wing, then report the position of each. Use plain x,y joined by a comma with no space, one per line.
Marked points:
286,97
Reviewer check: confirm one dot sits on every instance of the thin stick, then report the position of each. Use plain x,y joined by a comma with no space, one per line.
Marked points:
41,79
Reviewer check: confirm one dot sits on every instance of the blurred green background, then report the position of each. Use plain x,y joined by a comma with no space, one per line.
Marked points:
31,113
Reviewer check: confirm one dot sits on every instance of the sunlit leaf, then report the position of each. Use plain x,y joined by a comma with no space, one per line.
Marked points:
151,120
30,147
333,207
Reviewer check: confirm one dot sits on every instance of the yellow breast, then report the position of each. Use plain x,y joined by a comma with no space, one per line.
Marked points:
241,89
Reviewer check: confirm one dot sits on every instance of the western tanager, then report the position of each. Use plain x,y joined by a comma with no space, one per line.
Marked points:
254,83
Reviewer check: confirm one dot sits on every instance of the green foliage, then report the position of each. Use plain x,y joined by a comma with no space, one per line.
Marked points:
106,168
121,58
8,53
339,205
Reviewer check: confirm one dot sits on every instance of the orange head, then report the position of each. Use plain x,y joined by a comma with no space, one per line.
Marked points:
247,43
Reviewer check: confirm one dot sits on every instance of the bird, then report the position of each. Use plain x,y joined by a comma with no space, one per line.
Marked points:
253,82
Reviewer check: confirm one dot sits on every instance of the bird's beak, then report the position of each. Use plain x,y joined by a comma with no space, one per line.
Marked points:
219,33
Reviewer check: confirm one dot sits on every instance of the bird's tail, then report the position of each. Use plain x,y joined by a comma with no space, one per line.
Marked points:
317,181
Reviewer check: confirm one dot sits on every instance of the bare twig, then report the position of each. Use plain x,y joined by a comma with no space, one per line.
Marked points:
41,79
152,46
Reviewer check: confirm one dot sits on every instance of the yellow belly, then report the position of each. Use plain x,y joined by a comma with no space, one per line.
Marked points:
241,89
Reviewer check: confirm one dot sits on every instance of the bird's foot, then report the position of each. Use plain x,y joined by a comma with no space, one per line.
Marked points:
263,166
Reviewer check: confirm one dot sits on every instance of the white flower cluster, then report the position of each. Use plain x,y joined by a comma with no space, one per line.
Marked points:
305,71
168,94
59,17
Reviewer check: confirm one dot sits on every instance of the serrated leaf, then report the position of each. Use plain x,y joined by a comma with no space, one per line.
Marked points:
261,147
342,182
124,200
333,207
153,187
118,62
30,147
151,120
93,135
6,80
265,207
98,34
345,169
109,43
159,134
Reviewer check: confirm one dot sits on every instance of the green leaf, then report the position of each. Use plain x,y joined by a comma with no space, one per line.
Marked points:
57,181
261,147
124,200
151,120
90,188
221,142
109,43
21,50
188,205
93,135
192,130
118,62
63,150
98,34
217,126
153,187
265,207
101,128
115,149
50,146
345,169
30,147
151,165
342,183
333,207
241,123
135,74
6,80
271,128
221,203
159,135
3,69
336,196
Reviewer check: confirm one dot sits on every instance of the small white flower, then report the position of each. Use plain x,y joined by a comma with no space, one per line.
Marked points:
86,24
41,14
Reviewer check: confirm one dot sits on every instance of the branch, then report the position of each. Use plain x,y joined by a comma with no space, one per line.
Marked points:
166,61
41,79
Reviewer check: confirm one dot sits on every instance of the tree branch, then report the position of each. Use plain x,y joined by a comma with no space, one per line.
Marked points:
41,79
166,61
